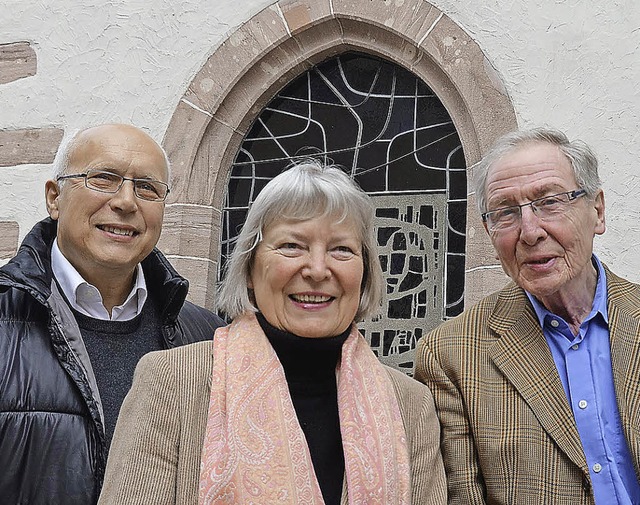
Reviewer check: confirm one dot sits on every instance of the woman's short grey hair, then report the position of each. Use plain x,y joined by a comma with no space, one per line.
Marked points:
306,190
66,148
582,159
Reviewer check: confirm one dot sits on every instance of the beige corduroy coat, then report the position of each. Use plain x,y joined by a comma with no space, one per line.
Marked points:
155,453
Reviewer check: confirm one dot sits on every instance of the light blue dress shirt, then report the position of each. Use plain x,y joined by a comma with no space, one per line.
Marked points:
584,366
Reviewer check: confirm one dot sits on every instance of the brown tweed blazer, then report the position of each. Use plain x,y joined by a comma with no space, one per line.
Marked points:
508,435
155,453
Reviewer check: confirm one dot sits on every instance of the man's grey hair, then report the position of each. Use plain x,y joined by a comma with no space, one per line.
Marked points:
66,148
582,159
306,190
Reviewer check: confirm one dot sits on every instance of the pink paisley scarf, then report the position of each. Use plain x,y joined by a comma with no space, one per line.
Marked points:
254,449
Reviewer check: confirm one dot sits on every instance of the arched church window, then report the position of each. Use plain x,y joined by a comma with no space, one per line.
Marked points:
386,128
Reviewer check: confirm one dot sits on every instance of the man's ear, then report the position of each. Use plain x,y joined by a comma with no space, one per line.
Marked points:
599,205
51,195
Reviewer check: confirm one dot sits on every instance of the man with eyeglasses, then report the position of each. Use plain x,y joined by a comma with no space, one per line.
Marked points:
538,385
84,298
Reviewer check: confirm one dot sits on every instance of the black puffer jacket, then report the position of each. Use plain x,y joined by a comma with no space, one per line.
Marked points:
52,448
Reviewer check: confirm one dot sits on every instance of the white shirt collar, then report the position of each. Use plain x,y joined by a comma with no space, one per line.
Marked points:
86,299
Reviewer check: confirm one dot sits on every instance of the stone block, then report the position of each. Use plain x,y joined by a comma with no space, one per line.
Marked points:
480,251
20,147
9,232
190,230
482,282
412,21
300,14
17,61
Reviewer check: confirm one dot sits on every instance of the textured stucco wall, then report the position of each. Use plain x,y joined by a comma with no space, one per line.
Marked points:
575,65
571,64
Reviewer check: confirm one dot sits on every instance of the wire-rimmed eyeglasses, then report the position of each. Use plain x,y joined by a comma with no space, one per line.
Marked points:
547,208
108,182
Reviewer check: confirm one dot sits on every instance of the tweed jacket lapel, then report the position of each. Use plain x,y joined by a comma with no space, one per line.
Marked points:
523,356
624,329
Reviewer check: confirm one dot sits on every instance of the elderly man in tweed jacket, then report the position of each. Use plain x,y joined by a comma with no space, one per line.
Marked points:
538,386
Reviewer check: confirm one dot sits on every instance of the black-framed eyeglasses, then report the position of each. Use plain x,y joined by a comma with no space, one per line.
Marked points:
547,208
109,182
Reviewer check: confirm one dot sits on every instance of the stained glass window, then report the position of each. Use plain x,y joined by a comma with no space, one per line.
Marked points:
386,128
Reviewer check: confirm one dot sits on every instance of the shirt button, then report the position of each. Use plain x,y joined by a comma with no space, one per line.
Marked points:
597,467
582,404
555,323
574,347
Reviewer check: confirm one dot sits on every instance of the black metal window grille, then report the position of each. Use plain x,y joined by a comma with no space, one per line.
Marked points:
391,133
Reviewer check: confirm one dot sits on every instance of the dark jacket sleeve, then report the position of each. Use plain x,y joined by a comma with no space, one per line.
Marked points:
196,323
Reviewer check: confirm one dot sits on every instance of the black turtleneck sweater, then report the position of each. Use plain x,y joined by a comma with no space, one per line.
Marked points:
310,368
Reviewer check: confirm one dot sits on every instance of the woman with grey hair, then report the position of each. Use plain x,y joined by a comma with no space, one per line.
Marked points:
288,404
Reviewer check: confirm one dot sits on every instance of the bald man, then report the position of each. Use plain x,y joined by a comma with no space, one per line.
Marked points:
84,298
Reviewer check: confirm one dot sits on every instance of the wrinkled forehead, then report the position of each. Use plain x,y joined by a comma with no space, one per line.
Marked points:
533,163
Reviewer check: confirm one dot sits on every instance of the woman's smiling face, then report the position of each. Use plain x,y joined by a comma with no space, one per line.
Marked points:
306,276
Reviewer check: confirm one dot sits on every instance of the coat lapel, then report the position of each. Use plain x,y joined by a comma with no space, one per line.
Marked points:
523,356
624,328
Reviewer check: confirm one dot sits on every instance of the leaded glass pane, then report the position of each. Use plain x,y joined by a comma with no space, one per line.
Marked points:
392,134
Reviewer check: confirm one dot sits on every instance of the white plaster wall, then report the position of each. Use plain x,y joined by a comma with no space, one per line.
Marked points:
574,64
